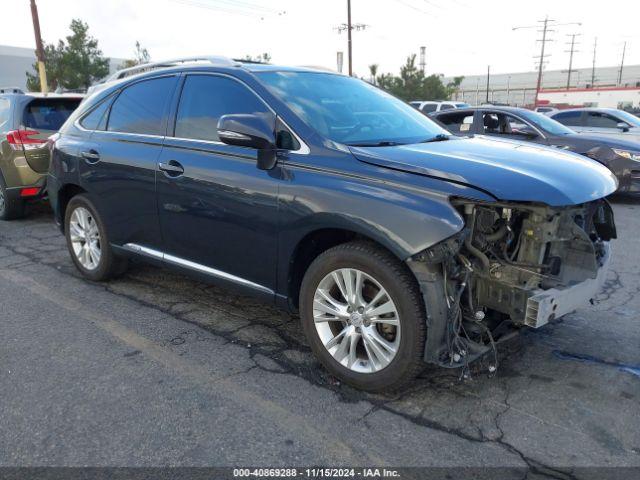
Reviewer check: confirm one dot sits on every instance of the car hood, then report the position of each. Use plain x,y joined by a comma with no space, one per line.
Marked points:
613,141
509,171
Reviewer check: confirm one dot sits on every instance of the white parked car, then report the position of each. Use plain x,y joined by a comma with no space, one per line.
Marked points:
430,106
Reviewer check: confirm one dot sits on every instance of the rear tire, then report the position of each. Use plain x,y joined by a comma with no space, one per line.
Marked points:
88,241
9,209
383,328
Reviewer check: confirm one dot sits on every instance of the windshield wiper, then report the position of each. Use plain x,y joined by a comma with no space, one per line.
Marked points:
441,137
383,143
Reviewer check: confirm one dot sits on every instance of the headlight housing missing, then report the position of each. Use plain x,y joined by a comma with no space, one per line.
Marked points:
628,154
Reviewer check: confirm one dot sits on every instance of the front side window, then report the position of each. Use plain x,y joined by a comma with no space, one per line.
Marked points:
349,111
551,125
601,120
141,107
446,106
205,98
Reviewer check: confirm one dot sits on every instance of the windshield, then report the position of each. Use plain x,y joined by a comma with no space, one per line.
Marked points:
350,111
629,118
545,123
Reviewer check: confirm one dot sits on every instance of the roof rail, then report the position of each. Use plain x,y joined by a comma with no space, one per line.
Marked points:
11,90
145,67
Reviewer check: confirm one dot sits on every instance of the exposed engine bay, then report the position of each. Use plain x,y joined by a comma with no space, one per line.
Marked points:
513,265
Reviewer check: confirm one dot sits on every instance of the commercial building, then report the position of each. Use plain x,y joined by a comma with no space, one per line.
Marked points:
16,61
586,87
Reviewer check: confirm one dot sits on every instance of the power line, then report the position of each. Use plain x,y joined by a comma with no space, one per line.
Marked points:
546,23
624,49
571,51
349,27
593,62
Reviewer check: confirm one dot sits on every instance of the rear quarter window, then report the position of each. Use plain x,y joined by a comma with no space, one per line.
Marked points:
48,113
5,107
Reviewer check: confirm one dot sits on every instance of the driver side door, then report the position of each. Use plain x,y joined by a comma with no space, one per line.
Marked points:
218,211
503,125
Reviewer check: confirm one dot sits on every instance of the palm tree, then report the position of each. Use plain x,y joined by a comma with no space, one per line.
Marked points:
373,69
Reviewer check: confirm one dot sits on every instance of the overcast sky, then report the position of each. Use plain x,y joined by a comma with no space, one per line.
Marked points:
462,36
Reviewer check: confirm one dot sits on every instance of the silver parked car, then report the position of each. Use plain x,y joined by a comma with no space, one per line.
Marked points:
600,120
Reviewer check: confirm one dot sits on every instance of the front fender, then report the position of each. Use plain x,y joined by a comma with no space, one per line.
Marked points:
404,219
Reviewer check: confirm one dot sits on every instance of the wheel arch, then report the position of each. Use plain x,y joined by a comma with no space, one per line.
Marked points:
298,254
65,194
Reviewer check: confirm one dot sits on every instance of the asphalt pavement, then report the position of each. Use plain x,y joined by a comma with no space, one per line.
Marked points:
155,369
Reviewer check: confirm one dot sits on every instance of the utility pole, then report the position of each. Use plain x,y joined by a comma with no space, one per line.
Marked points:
44,88
624,49
571,51
546,23
423,59
508,88
488,75
349,27
593,63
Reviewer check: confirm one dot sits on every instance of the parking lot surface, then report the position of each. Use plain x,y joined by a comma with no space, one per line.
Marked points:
156,369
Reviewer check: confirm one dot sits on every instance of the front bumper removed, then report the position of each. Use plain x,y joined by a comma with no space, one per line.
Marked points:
548,305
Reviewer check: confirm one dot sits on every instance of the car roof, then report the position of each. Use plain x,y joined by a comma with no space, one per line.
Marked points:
514,110
589,109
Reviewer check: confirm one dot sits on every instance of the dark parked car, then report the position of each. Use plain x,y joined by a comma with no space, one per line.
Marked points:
604,121
26,121
620,155
395,241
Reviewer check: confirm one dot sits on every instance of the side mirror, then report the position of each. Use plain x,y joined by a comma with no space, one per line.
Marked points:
623,126
251,131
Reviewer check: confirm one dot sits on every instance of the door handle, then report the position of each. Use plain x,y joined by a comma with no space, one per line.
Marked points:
172,168
90,156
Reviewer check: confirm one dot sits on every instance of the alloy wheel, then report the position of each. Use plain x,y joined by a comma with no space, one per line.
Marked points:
356,320
85,238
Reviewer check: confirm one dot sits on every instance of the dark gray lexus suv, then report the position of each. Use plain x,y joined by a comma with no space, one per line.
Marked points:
397,242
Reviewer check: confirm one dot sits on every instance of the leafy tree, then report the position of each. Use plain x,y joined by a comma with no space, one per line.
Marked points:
74,64
454,85
412,84
141,56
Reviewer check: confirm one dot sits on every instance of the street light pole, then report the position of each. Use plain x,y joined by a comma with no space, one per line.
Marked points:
44,88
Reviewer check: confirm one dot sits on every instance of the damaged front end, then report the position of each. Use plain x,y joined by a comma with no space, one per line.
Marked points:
513,265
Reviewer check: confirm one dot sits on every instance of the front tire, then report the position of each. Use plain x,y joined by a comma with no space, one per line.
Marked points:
88,242
364,317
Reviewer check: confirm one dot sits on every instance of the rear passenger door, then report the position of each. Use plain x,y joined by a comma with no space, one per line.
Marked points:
458,122
118,164
218,211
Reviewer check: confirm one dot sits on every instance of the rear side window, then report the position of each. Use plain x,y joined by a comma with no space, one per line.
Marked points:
568,118
205,98
4,112
458,122
141,107
49,113
446,106
96,119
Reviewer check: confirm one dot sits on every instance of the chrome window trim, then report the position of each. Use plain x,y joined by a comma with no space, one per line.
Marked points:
304,148
165,257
